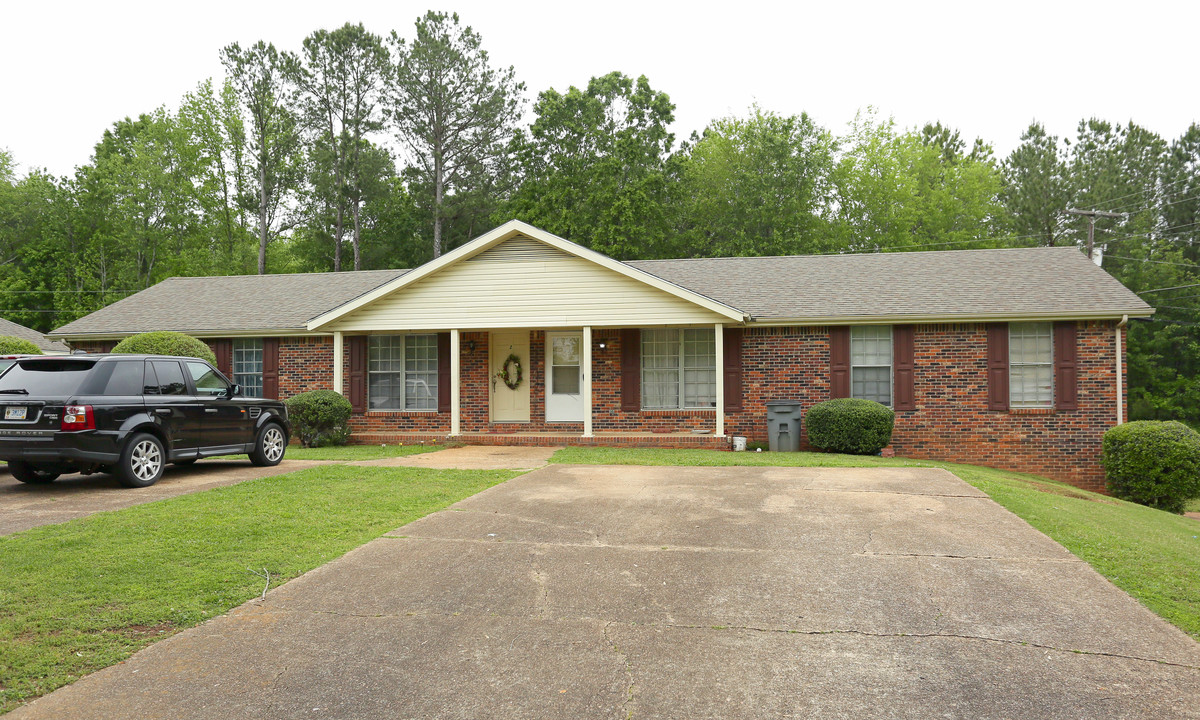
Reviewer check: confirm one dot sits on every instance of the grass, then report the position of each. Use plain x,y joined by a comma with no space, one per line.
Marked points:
347,453
86,594
1150,554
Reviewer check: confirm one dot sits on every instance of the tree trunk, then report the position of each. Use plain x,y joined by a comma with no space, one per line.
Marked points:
357,231
437,207
262,218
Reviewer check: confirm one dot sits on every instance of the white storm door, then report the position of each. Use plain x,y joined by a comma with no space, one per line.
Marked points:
564,377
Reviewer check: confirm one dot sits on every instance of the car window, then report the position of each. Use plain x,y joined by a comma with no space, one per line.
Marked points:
207,381
115,378
45,377
170,377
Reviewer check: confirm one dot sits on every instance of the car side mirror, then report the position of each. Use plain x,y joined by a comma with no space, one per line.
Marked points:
233,391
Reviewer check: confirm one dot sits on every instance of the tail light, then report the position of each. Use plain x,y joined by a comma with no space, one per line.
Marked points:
79,417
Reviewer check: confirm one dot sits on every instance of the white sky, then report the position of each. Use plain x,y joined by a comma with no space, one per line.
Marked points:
69,70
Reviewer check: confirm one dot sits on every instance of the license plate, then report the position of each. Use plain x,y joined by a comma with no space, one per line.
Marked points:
15,413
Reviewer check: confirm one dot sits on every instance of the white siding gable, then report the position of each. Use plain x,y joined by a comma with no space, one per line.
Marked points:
524,283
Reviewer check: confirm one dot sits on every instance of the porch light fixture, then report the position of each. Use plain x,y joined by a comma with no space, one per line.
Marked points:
470,346
603,345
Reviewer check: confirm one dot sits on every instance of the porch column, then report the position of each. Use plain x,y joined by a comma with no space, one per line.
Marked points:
719,338
455,381
587,381
338,382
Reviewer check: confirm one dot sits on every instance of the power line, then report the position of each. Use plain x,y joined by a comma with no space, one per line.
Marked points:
1177,287
1160,262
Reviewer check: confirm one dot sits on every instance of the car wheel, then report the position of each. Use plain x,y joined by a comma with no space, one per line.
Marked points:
269,446
142,461
27,473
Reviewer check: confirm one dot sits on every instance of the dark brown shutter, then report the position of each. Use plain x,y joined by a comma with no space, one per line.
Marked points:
631,370
223,349
903,354
1066,386
443,350
358,372
271,368
997,366
733,369
839,362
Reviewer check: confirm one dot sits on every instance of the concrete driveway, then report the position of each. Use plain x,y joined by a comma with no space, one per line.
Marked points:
74,496
623,592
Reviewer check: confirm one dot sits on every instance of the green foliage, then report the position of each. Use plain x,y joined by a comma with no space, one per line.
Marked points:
598,168
320,417
165,343
1153,463
849,425
10,345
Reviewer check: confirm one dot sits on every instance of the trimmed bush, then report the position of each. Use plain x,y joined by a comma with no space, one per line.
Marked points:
851,426
1153,462
165,343
320,417
10,345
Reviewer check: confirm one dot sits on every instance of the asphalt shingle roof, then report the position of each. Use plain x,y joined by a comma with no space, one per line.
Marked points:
230,303
963,283
10,328
1013,282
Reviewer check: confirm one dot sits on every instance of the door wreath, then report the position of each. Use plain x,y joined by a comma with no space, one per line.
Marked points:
510,372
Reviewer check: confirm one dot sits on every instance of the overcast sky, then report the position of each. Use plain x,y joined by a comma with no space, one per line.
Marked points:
69,70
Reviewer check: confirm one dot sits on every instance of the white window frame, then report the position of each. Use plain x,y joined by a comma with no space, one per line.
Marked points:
677,340
248,373
862,333
411,378
1022,368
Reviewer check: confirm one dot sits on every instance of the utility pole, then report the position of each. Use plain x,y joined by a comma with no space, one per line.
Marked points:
1091,215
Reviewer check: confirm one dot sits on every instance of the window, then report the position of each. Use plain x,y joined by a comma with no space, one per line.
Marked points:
206,380
679,369
871,363
1030,365
402,372
169,378
248,366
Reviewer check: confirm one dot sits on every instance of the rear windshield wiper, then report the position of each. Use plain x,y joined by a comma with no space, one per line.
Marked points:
15,391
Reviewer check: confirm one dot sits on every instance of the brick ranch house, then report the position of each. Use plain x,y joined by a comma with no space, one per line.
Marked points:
1012,358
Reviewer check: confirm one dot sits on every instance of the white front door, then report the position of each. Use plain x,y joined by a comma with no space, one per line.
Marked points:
564,377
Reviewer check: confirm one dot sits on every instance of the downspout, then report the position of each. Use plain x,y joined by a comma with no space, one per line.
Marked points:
1120,375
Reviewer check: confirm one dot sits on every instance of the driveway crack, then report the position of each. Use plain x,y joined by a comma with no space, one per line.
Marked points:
958,636
627,706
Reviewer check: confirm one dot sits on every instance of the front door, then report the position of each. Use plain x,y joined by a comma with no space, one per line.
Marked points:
509,404
564,377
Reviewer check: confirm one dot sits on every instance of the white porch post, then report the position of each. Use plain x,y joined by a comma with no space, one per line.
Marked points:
587,381
337,362
719,338
455,381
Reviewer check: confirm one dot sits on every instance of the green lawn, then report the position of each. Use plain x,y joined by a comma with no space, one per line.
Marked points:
1151,554
347,453
86,594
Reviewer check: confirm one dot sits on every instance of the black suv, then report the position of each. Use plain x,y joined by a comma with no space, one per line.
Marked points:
130,415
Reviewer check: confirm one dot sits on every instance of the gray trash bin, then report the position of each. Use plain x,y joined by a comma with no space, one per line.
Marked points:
783,425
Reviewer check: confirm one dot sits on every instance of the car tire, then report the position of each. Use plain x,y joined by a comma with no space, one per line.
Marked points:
269,446
31,474
142,461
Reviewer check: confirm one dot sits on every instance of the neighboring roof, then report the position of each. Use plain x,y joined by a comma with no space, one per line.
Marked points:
1003,283
11,328
229,304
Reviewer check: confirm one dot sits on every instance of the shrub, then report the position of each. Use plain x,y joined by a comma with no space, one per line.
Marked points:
10,345
319,417
165,343
846,425
1152,462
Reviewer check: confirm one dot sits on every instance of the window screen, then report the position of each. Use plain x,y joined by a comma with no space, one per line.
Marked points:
1030,365
402,372
248,366
679,369
871,363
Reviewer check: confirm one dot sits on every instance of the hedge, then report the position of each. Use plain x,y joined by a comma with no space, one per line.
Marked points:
320,417
851,426
10,345
1153,462
165,343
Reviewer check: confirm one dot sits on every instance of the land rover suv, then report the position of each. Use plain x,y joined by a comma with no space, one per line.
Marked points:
129,415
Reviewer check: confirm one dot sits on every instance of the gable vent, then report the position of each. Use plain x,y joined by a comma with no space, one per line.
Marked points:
519,249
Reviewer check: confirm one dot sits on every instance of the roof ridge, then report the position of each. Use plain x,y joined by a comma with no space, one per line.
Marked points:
281,275
857,254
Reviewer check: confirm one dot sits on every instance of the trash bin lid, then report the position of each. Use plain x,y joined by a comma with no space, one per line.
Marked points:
782,403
